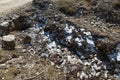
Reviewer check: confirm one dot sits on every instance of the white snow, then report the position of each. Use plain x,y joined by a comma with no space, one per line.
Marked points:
79,40
72,59
118,56
68,28
9,38
87,33
72,27
4,24
97,67
82,29
52,45
91,42
79,44
68,38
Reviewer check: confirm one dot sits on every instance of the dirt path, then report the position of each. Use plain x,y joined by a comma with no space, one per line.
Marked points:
9,5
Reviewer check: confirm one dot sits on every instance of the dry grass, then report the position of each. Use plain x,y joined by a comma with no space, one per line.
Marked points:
116,5
67,6
21,69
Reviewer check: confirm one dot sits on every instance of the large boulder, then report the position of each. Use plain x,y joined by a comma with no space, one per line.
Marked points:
5,28
22,22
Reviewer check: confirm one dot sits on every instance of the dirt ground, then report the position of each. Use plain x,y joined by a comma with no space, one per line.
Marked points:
23,63
10,6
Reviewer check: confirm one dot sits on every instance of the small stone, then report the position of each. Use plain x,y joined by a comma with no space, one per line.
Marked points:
27,40
4,28
24,50
92,23
8,42
56,58
52,63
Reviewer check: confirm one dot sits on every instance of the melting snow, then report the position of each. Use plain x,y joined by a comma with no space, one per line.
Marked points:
90,42
87,33
82,29
79,40
68,38
68,30
115,56
52,46
118,56
4,24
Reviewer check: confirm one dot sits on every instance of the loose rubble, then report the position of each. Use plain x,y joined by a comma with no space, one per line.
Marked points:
71,49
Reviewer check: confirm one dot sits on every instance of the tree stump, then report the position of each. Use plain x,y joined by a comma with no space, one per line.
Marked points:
8,42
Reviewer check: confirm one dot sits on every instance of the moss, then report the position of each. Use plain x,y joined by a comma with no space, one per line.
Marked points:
13,70
8,78
2,73
11,73
54,74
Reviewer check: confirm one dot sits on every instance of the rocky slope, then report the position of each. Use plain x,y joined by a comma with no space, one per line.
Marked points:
55,40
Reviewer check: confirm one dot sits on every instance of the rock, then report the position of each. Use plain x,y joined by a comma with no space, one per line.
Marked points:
4,28
5,24
8,42
56,58
22,22
118,56
41,3
27,40
118,53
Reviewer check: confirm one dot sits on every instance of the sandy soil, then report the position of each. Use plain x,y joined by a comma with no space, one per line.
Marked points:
9,5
